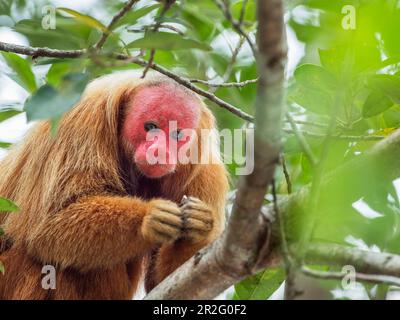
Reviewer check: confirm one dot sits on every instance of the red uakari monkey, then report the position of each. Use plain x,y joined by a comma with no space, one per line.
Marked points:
92,206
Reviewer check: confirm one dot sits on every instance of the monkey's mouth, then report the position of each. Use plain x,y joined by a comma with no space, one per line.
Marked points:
156,171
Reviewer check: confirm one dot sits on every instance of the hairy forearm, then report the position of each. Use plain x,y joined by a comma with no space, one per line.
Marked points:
96,232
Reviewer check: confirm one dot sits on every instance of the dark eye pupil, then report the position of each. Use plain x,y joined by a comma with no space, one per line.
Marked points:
177,135
148,126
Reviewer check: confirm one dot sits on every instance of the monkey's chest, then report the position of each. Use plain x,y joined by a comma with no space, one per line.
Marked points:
147,189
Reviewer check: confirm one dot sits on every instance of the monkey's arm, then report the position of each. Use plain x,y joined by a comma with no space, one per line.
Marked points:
102,231
204,221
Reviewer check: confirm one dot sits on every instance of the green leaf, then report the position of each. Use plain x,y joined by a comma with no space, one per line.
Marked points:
317,101
5,145
315,77
7,205
260,286
131,17
201,23
249,12
88,20
56,72
8,113
23,71
376,103
2,268
49,102
388,84
167,41
313,89
39,37
392,116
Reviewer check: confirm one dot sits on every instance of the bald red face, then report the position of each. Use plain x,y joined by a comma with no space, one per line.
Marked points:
154,124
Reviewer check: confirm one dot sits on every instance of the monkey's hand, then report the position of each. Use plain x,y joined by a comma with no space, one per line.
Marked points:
163,223
198,219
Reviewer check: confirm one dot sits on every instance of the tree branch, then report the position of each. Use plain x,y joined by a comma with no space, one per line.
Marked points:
166,7
367,262
55,53
244,246
41,52
302,141
186,83
237,25
225,84
371,278
335,136
162,26
128,5
229,68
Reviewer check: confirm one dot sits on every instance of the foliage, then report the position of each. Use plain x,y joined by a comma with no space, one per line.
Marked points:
350,75
260,286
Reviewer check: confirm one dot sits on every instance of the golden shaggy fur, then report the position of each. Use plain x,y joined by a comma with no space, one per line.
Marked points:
82,202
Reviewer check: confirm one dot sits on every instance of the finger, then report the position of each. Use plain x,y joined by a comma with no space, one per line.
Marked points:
195,206
169,219
166,229
194,199
193,224
163,237
169,208
198,215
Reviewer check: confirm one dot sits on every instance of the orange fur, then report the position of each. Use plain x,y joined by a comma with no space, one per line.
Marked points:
83,204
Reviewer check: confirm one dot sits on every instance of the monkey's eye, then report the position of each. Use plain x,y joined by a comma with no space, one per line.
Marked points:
148,126
177,135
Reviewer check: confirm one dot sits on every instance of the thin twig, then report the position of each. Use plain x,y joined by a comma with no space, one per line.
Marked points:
166,7
278,214
242,12
224,7
225,84
128,5
371,278
235,53
210,96
54,53
336,137
303,142
162,26
286,174
41,52
229,68
309,123
290,288
149,64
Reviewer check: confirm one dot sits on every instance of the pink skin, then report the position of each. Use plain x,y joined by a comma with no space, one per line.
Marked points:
159,105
